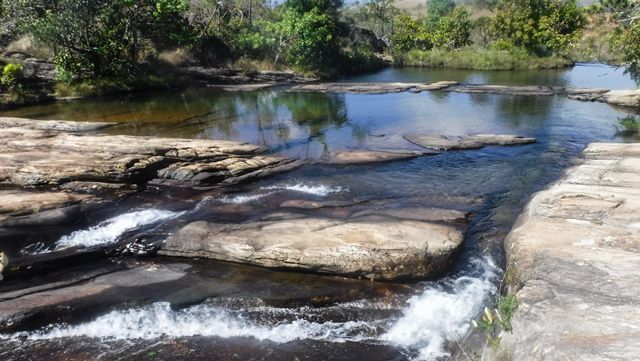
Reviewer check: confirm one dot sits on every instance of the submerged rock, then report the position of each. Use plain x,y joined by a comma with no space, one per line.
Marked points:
370,156
574,256
444,142
376,246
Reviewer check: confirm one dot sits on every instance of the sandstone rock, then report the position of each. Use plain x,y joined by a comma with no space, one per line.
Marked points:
64,126
20,202
504,89
444,142
376,247
30,157
628,98
370,156
371,88
575,251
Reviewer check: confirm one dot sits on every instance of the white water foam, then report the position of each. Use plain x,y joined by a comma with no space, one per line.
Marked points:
438,315
321,190
108,231
244,198
158,320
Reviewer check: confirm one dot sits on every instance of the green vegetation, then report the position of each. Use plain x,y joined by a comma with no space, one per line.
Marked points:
631,124
481,59
102,46
494,321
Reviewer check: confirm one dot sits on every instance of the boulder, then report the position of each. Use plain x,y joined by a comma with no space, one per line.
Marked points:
447,142
379,246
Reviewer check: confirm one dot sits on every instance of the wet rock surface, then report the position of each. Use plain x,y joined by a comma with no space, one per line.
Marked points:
575,253
385,243
444,142
371,156
370,88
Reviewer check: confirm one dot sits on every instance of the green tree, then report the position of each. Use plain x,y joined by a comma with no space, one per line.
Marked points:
436,9
408,34
454,30
102,37
542,27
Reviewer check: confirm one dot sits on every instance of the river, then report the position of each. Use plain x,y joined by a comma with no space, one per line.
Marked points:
224,311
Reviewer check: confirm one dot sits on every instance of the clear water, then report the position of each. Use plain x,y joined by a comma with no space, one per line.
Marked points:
377,321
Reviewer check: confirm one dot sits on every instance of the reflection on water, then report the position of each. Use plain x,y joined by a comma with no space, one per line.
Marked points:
496,180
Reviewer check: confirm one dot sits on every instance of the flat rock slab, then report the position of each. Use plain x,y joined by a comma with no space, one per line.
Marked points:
59,125
30,156
444,142
575,252
365,156
375,246
371,88
20,202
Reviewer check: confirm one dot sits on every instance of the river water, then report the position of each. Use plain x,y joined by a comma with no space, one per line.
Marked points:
222,311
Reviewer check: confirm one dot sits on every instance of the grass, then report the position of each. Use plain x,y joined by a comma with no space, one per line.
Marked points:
105,86
480,59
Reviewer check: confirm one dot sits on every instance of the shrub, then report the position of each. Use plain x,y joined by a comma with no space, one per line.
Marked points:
631,124
12,78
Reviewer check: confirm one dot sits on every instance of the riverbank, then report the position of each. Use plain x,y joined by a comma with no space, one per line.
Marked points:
480,59
573,259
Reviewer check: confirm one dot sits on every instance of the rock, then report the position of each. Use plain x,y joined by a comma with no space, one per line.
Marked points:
59,125
370,88
307,204
30,156
444,142
418,214
510,90
370,156
376,247
20,202
575,252
627,98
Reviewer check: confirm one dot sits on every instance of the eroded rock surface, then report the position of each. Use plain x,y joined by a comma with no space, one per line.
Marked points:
381,244
575,252
447,142
30,156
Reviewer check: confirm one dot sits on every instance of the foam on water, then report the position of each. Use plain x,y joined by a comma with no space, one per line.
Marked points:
321,190
245,198
443,313
108,231
439,314
158,320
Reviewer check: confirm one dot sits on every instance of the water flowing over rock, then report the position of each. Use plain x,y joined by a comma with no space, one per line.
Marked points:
447,142
575,253
382,244
70,171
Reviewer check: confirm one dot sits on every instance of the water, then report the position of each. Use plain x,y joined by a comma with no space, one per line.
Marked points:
223,310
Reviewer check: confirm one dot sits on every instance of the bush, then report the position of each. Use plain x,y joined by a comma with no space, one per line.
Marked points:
631,124
12,78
